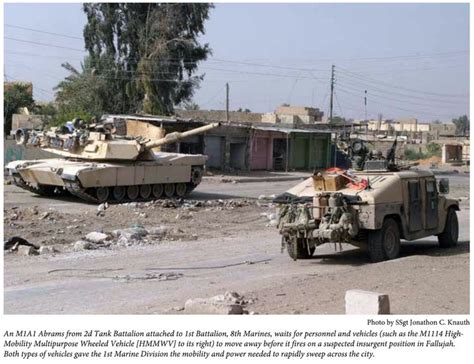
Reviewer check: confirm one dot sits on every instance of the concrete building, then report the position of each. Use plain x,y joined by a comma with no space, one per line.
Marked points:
289,115
239,146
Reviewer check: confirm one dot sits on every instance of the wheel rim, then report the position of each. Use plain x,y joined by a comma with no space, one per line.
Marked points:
157,191
180,189
119,193
390,243
102,193
169,190
145,191
132,192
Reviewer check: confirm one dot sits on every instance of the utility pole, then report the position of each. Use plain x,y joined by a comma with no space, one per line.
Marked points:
332,93
330,114
227,102
366,121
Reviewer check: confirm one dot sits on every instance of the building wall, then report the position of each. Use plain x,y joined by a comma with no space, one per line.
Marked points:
14,152
26,121
219,115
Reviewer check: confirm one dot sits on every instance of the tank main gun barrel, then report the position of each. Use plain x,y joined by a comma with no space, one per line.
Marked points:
177,136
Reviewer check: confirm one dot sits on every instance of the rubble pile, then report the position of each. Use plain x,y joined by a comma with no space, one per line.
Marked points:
187,204
230,303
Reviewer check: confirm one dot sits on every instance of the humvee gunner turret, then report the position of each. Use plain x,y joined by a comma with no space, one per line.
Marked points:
371,206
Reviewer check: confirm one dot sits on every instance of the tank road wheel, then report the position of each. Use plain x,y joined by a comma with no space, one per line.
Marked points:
181,189
132,192
119,193
157,191
384,244
299,250
102,194
169,190
449,237
145,192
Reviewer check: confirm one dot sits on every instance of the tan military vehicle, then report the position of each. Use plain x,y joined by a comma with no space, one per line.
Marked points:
98,165
371,206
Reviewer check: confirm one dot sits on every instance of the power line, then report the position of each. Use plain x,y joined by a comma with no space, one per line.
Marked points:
354,87
43,31
261,73
399,108
44,44
397,100
41,55
368,79
268,65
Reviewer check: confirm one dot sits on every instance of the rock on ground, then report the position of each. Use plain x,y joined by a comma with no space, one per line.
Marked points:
27,250
230,303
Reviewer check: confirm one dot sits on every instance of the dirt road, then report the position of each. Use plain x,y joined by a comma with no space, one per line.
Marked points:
220,243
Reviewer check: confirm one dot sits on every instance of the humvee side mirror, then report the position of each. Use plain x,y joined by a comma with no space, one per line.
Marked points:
443,185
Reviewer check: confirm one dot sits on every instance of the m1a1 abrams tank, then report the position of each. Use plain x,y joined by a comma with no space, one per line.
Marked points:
372,205
97,165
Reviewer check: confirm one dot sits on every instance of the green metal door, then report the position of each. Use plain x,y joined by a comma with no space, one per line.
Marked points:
300,153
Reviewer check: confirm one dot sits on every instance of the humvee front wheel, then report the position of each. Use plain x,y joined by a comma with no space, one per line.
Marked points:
298,249
449,237
384,244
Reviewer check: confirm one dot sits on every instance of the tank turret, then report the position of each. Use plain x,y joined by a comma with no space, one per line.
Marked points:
98,142
99,165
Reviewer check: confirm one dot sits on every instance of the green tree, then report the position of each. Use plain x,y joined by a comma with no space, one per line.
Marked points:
147,53
15,97
189,105
338,120
462,125
84,94
433,149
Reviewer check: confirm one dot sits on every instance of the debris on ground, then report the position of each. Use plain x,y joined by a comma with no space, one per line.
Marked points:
15,241
26,250
101,208
230,303
47,250
133,224
97,237
149,276
83,245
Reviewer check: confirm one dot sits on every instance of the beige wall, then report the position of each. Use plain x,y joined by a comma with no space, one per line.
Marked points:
219,115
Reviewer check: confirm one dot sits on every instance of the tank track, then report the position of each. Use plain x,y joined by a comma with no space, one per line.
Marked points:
75,189
18,181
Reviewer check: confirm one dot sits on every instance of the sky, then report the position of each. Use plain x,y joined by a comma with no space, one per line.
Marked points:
413,59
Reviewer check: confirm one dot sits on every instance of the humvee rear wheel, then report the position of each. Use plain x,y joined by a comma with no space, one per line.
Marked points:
181,189
299,250
102,193
169,190
384,244
449,237
157,191
119,193
132,192
145,191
